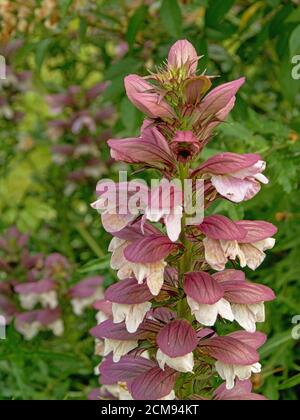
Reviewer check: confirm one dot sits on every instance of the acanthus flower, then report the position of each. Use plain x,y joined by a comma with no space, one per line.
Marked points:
30,292
29,324
162,203
141,256
130,302
227,240
246,298
235,177
143,377
176,343
43,292
242,391
117,339
236,355
229,295
85,293
206,298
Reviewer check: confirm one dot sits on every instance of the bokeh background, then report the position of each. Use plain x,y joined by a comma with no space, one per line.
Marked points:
64,97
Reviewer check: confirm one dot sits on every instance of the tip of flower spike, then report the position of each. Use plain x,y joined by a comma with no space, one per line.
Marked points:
181,54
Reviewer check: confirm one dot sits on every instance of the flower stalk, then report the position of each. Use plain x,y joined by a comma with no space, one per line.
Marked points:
175,277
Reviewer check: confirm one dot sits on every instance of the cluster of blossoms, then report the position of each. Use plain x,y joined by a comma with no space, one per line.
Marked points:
76,134
18,17
14,85
155,331
30,286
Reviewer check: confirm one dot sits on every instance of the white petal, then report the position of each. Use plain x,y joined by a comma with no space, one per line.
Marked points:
141,271
248,315
119,312
125,272
192,304
256,368
182,364
116,222
101,317
227,373
115,244
243,372
170,396
265,245
29,331
206,314
118,347
96,370
49,299
154,215
233,250
124,394
173,224
99,347
57,327
132,314
155,279
117,258
224,310
232,188
253,256
29,301
244,316
214,254
78,306
259,310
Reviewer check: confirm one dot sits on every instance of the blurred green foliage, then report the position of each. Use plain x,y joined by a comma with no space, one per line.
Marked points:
91,41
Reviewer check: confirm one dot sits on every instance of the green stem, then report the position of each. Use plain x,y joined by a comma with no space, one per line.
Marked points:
90,240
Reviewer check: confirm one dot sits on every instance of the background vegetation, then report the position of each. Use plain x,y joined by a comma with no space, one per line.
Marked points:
63,43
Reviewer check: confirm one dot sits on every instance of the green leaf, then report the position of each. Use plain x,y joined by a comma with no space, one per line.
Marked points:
41,52
95,266
135,24
295,42
115,90
273,3
64,6
274,343
121,69
216,11
290,383
171,17
289,87
277,23
295,16
82,29
129,116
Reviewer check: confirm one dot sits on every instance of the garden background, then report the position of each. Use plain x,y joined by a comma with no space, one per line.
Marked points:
64,97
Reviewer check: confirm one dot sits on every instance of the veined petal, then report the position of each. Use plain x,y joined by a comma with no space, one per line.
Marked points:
142,94
177,338
183,53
